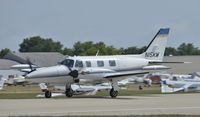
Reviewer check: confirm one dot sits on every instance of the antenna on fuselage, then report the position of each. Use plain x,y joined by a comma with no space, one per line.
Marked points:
97,53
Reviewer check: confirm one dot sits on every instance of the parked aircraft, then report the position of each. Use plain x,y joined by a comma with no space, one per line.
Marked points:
25,67
16,80
2,80
99,69
131,80
180,83
77,90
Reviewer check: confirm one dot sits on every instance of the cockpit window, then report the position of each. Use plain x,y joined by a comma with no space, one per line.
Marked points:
78,63
68,62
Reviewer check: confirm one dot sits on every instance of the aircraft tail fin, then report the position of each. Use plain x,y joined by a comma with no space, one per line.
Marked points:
165,88
156,48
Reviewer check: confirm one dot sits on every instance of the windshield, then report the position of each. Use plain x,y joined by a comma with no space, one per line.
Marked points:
68,62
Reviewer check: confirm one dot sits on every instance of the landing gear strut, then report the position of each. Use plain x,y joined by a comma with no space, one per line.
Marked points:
69,92
47,94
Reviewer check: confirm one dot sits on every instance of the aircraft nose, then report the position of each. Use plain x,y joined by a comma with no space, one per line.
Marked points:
54,71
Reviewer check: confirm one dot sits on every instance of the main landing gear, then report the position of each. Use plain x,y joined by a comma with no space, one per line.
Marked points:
113,93
115,90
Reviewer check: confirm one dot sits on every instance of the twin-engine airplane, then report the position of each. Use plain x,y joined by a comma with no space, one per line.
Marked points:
100,69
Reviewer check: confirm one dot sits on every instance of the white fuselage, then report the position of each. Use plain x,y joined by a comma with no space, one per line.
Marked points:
91,68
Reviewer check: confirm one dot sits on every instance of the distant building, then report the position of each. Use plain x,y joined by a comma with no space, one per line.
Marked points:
5,70
42,59
194,66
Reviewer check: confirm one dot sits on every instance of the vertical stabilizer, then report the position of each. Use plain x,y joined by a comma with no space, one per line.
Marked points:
156,48
165,88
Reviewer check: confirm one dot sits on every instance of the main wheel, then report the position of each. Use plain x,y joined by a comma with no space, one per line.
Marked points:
69,92
113,93
47,94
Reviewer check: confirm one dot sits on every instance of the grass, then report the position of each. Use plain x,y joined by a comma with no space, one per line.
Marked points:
20,92
123,116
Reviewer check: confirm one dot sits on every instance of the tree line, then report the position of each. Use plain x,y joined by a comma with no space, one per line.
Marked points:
39,44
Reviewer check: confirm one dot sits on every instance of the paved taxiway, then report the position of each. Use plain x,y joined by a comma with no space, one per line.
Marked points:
123,105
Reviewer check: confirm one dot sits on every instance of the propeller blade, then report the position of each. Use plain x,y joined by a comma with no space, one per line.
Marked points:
74,73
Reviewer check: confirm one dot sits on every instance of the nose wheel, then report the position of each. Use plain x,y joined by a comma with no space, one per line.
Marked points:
69,92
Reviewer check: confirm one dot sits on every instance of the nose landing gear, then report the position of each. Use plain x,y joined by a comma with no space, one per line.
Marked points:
69,92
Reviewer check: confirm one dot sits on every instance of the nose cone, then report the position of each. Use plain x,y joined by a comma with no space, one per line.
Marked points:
54,71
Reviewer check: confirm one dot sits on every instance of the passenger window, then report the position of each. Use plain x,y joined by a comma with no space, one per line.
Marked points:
79,63
100,63
88,63
112,63
175,78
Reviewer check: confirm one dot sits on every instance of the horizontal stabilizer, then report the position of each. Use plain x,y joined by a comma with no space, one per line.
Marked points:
172,62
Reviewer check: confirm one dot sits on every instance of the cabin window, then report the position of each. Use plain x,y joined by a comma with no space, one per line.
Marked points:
174,78
78,63
68,62
88,63
112,63
100,63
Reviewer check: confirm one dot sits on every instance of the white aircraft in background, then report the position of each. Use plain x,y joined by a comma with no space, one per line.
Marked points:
2,81
16,80
77,90
181,83
25,67
131,80
100,69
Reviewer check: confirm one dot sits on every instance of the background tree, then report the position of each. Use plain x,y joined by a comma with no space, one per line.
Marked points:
38,44
3,52
188,49
133,50
68,51
170,51
89,48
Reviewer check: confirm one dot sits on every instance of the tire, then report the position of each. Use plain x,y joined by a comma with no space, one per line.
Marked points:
47,94
113,93
69,92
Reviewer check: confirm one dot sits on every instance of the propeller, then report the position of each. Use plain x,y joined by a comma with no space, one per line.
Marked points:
30,65
73,73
